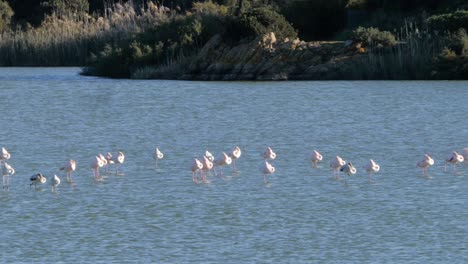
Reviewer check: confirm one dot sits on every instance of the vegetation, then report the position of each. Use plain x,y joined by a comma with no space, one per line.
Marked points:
399,39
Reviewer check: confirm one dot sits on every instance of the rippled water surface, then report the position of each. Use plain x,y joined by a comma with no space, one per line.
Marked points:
154,213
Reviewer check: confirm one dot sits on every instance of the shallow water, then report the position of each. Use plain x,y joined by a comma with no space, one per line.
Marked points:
154,213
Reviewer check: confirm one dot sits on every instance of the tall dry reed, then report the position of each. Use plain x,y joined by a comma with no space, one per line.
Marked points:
68,40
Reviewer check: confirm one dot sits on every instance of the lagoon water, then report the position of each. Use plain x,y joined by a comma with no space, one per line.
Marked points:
154,213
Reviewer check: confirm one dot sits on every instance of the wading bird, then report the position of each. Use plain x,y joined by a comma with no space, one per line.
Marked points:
54,181
336,164
371,168
454,159
7,171
36,179
196,167
269,154
69,167
223,160
267,170
236,153
316,157
425,164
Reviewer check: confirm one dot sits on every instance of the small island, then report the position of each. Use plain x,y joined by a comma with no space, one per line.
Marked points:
227,40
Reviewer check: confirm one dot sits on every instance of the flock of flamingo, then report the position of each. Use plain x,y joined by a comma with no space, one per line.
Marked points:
201,167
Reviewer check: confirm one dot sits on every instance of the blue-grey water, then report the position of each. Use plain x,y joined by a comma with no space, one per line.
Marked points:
155,213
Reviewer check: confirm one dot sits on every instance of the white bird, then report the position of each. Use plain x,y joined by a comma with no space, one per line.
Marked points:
316,157
207,166
336,164
69,167
96,163
196,167
158,155
5,155
7,171
348,169
118,160
236,153
54,181
269,154
454,159
36,179
267,170
209,156
223,160
371,168
425,164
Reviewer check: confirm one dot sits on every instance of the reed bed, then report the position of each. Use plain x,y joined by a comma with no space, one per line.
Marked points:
69,40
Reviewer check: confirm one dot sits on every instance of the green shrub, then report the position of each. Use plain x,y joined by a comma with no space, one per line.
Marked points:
259,21
451,22
373,36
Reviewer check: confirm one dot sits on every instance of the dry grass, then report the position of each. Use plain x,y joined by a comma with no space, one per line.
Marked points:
67,41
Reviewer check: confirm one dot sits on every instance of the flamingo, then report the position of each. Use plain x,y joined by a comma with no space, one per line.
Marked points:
223,161
5,155
96,163
207,166
196,166
209,156
336,164
236,153
348,169
37,178
425,164
118,161
7,171
371,168
54,181
455,158
69,167
269,154
267,169
316,157
158,155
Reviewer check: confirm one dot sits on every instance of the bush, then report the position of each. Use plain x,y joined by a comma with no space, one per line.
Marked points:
451,22
450,66
259,21
373,36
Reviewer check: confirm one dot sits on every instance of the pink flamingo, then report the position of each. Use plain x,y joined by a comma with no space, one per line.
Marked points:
196,166
5,155
336,164
7,171
371,168
236,153
54,181
96,163
425,164
223,161
267,169
118,161
209,156
316,157
269,154
207,166
348,169
454,159
69,167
